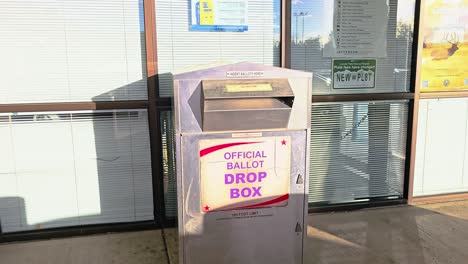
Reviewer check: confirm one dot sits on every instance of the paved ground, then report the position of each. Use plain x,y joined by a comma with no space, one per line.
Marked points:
123,248
431,233
435,233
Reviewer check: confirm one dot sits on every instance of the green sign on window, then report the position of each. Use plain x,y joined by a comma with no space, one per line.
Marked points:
354,74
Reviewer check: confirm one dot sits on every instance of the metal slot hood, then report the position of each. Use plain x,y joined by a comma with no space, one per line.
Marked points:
246,104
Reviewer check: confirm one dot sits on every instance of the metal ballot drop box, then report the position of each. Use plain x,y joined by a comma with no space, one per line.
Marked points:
242,152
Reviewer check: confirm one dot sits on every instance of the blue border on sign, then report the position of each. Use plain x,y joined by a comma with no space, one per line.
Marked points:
219,28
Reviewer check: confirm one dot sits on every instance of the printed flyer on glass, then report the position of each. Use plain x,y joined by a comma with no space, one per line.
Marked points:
445,53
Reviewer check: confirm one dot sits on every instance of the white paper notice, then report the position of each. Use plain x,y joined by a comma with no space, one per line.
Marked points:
359,29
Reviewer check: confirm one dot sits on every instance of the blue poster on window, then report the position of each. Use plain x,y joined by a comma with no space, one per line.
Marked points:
219,15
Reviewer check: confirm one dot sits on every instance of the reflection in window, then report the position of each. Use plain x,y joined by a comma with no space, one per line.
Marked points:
358,151
312,24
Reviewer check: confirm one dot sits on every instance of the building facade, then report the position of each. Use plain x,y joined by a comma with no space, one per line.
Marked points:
86,128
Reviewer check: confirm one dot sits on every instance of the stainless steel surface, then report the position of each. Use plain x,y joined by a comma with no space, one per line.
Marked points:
244,104
212,238
249,105
246,120
188,93
202,109
245,114
216,89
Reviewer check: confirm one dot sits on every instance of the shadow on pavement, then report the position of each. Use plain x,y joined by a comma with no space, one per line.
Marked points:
404,234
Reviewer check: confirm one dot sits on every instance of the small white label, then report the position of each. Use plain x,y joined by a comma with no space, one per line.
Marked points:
241,135
425,83
245,74
466,82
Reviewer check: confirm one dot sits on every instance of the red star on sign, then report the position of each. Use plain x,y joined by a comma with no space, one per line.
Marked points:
207,208
283,142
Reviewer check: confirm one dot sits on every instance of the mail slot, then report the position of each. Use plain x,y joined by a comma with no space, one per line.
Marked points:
246,104
242,151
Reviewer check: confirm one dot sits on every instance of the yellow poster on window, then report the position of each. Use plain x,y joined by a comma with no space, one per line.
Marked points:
206,12
445,46
219,15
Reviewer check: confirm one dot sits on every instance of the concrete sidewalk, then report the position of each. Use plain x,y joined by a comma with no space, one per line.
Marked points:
432,233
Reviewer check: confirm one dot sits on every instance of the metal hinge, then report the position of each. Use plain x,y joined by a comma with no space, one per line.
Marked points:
298,227
300,179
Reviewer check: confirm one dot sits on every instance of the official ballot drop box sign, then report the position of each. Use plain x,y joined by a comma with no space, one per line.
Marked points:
242,149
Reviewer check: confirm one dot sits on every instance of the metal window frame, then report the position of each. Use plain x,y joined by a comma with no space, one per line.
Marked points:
415,113
414,107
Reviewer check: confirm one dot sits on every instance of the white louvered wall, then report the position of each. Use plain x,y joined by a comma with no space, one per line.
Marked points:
71,51
74,168
178,47
441,149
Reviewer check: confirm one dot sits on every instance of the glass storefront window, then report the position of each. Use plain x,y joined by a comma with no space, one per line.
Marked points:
357,151
312,30
74,168
179,47
72,51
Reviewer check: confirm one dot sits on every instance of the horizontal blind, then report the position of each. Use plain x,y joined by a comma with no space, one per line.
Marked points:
357,151
178,47
74,168
309,33
441,148
169,163
72,50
